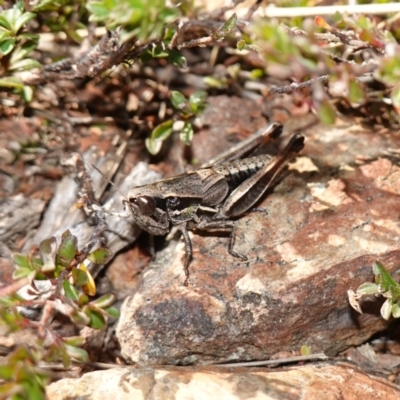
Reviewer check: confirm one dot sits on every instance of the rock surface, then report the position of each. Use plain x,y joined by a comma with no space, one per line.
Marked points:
324,227
312,382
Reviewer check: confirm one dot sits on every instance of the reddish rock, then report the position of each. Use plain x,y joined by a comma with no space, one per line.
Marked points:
226,120
322,232
311,382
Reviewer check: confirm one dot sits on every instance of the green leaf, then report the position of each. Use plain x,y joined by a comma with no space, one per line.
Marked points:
395,96
65,234
70,290
256,73
80,318
20,6
68,248
159,52
77,341
4,23
12,14
48,248
198,97
100,256
26,64
37,263
217,83
6,372
186,134
153,146
67,251
104,301
162,131
3,35
12,82
395,292
11,388
43,4
113,312
197,101
7,46
83,299
27,93
178,100
80,277
382,276
23,51
305,350
229,25
389,70
21,260
23,19
58,351
356,92
98,10
326,113
97,320
33,389
386,309
158,135
396,310
177,59
77,353
241,44
90,287
368,289
32,37
22,272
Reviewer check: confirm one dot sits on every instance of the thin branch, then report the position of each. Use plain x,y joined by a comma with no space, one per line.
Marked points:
289,12
105,55
14,287
317,356
207,28
296,86
335,37
92,205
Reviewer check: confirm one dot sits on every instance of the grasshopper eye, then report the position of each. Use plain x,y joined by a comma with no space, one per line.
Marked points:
146,204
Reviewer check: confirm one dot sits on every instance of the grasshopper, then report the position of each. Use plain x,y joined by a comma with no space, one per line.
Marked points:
210,198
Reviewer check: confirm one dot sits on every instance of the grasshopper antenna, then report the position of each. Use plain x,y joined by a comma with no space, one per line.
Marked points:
124,201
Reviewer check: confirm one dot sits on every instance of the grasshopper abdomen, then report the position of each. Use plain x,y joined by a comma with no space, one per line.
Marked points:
236,172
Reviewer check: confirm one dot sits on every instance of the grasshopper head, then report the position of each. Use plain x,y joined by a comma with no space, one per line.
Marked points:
146,214
142,201
145,205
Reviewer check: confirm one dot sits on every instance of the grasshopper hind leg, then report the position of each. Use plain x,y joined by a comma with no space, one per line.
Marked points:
227,226
232,235
188,251
207,225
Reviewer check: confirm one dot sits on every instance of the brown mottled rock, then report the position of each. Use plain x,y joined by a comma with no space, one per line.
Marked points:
311,382
226,120
327,221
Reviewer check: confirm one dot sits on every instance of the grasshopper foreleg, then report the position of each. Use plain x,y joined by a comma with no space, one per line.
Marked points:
178,215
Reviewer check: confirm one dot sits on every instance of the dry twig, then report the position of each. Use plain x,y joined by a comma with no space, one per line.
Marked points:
106,54
296,86
290,12
287,360
88,198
